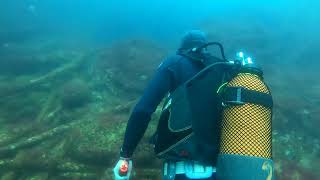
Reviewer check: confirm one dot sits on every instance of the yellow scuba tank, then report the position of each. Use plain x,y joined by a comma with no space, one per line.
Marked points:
245,150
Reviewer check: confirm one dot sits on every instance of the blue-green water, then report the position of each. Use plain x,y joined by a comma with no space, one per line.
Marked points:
80,66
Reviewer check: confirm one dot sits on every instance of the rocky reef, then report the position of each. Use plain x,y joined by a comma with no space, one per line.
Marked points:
68,121
63,112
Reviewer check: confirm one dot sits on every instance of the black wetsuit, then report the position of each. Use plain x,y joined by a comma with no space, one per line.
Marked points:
171,73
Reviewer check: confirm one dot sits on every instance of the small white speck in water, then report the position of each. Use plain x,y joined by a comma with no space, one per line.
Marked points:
305,111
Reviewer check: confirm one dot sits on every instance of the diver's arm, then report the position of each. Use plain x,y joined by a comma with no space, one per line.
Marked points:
138,122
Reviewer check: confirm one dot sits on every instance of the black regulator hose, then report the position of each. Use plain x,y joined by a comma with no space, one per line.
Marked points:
198,49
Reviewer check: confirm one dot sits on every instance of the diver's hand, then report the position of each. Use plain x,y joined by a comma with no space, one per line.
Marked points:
123,168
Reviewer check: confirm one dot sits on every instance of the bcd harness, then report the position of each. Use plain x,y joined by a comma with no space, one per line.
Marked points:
190,122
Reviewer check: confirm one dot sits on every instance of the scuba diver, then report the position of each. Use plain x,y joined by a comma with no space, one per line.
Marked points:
200,132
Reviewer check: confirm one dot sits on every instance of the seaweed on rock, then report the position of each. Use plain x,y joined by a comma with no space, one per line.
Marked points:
44,126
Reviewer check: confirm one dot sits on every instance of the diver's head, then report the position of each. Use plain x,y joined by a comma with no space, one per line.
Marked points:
193,39
194,45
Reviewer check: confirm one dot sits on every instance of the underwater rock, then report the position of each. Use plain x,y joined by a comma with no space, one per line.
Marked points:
78,175
32,141
14,64
292,170
90,143
8,176
22,108
127,66
144,157
296,155
75,93
40,176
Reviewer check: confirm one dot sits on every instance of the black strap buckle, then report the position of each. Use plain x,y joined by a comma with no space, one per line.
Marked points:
241,96
233,96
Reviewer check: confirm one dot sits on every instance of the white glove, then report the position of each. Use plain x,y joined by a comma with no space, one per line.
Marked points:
123,168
